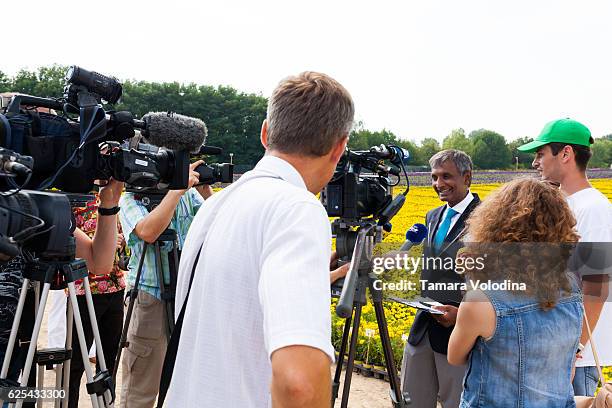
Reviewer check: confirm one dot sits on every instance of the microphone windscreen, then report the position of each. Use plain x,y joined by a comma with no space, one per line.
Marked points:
416,233
174,131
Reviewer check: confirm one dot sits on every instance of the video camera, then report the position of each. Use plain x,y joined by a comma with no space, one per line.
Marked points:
360,194
41,150
353,194
67,150
38,221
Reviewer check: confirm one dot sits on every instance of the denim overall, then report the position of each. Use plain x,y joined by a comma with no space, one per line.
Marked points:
527,362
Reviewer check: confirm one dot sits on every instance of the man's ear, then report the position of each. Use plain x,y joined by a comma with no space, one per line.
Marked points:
467,178
264,134
566,154
338,150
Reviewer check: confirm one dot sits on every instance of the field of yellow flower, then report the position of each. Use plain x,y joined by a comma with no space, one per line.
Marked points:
399,317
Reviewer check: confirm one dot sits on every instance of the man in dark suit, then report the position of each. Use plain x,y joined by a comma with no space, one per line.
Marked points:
426,373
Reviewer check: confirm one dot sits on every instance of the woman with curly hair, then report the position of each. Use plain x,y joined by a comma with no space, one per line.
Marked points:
520,344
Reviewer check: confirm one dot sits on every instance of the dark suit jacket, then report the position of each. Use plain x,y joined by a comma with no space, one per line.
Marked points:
423,322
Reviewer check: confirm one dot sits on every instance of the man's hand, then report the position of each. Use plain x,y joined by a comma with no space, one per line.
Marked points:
120,241
335,271
449,318
194,177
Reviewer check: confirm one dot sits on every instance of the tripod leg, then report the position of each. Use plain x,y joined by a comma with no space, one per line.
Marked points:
95,402
128,315
397,397
340,362
40,381
162,289
58,383
96,332
351,357
14,328
32,349
173,265
67,363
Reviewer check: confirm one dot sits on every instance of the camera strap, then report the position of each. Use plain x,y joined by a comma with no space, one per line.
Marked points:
173,343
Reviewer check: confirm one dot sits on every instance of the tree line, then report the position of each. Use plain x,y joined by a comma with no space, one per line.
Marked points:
234,120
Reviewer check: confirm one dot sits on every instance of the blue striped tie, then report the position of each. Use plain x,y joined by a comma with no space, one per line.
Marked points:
443,229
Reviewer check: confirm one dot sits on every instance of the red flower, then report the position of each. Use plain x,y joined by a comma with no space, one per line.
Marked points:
102,286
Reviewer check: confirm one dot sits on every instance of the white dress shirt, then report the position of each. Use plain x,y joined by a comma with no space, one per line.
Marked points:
261,283
460,207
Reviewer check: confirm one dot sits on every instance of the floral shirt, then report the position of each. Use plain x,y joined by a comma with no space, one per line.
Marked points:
86,220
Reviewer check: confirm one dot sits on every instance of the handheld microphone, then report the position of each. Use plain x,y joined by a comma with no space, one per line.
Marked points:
174,131
414,236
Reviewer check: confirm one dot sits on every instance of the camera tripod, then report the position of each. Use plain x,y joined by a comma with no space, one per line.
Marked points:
167,290
57,275
353,297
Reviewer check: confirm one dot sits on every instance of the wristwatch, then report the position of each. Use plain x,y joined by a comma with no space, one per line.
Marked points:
108,211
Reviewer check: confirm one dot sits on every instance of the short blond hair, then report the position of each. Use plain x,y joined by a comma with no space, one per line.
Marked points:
308,114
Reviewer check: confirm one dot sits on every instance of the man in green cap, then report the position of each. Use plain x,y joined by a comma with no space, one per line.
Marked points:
562,151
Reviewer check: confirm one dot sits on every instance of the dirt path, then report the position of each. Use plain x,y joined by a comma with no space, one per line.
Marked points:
366,392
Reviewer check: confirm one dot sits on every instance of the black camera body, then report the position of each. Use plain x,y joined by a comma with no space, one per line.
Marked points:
43,150
361,186
352,196
361,198
66,150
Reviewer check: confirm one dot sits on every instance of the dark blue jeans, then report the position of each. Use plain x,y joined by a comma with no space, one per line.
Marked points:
585,381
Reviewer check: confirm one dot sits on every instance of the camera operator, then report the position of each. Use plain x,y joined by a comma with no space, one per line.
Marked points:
98,252
143,358
257,324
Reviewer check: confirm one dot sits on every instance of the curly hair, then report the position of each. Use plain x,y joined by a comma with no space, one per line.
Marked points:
526,229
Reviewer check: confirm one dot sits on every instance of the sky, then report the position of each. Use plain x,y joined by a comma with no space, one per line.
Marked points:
416,68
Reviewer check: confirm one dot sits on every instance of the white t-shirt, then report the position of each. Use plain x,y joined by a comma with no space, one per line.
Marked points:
593,214
261,283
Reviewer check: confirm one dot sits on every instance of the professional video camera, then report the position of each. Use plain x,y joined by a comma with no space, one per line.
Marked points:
360,194
40,150
358,197
67,150
33,222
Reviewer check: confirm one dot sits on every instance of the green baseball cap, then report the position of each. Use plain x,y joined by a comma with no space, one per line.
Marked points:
562,131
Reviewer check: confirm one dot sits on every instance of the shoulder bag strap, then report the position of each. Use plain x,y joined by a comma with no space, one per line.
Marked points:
599,370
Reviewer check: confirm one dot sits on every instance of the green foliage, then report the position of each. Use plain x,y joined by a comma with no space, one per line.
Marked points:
602,153
233,118
524,159
5,82
429,147
363,139
458,140
490,150
46,82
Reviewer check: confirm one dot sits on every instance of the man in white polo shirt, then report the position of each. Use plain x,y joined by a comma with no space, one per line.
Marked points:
257,323
562,153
